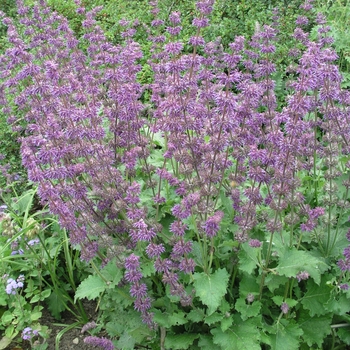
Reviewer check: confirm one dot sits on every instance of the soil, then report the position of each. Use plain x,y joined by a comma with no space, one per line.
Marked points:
73,339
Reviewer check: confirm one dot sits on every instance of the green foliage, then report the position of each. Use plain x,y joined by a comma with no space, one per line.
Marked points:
243,335
211,288
33,245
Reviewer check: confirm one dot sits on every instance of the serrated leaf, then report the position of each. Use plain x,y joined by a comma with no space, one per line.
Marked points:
161,318
287,336
247,310
273,282
197,253
126,342
55,305
344,335
309,324
247,285
226,323
248,258
148,268
112,273
279,299
338,305
316,297
177,318
213,318
91,288
206,342
211,288
241,336
294,261
196,315
180,341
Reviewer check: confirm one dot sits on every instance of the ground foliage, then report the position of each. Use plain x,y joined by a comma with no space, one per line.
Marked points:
204,180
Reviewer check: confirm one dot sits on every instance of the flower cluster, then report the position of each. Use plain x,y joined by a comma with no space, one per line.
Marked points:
138,289
29,333
13,285
103,343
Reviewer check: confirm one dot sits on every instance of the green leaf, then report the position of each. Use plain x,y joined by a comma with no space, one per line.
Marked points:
45,294
180,341
6,318
247,285
148,269
197,253
338,305
161,318
287,336
247,310
35,299
344,335
196,315
34,316
211,288
55,305
241,336
213,318
309,324
126,342
11,331
294,261
177,318
91,288
279,299
226,323
206,342
112,273
248,258
316,297
167,320
273,282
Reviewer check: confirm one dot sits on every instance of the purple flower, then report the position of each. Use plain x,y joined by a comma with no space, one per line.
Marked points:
132,262
302,276
187,265
178,228
138,290
88,326
155,250
175,17
13,285
29,333
103,343
33,241
212,225
181,248
142,304
344,286
284,308
200,22
205,7
254,243
302,21
344,264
